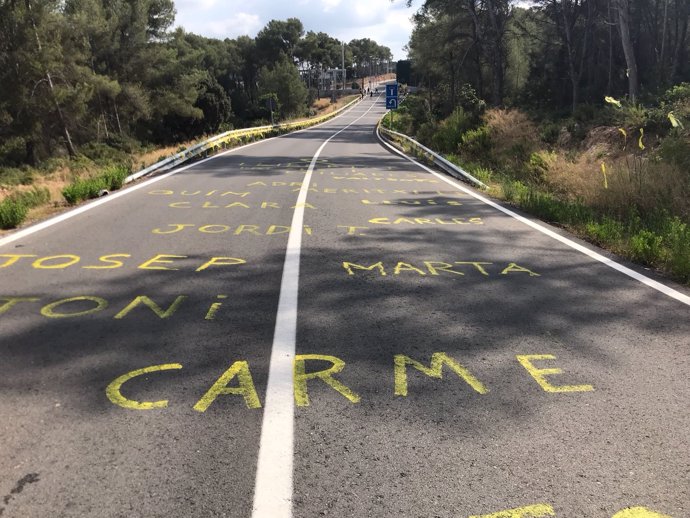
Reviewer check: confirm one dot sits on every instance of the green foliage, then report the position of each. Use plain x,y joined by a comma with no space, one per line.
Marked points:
449,133
12,213
283,80
13,209
475,143
86,188
645,246
16,176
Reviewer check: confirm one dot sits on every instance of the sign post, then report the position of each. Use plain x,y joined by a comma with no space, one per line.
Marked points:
392,100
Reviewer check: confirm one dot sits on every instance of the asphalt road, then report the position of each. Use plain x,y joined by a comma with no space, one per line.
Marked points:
449,360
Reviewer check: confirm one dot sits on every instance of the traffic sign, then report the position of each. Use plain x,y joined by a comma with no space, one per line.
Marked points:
391,103
392,90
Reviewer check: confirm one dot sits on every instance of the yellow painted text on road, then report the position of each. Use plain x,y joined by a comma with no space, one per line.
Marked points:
540,374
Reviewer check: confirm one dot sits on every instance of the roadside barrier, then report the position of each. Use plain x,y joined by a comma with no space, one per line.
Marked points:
225,140
426,154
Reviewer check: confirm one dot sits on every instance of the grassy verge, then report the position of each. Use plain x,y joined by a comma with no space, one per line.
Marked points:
613,185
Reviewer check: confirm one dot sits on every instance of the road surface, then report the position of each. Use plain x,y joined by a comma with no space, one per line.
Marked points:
315,326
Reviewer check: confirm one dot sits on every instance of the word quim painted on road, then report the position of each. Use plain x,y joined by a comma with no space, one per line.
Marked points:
544,510
243,383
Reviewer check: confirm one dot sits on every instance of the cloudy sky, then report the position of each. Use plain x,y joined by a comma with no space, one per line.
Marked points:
384,21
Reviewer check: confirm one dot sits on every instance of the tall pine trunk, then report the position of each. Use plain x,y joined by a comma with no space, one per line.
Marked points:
626,40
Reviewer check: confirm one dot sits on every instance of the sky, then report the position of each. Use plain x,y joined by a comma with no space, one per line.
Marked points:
384,21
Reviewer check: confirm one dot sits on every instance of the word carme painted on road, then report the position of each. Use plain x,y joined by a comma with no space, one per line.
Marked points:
544,510
244,386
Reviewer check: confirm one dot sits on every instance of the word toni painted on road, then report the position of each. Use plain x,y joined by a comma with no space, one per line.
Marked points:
244,384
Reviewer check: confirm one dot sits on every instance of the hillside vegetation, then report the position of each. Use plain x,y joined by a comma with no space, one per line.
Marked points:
578,111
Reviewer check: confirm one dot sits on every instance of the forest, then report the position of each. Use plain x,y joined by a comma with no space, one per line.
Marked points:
94,78
577,111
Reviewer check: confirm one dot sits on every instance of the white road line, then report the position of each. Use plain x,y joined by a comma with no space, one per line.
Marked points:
273,488
92,205
685,299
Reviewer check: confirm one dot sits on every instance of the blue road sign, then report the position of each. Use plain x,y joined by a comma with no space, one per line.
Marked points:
391,103
392,96
392,90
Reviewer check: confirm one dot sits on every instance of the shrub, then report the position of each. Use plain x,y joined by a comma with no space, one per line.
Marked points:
449,132
114,177
475,143
645,246
16,176
677,239
12,213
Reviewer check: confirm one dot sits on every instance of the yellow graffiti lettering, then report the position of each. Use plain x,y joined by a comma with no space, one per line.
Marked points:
477,265
256,183
245,388
529,511
350,266
251,229
211,313
210,205
160,259
161,192
143,299
180,205
435,266
269,205
638,512
221,261
13,258
113,391
406,267
303,206
435,370
214,229
301,377
277,229
109,261
10,302
380,221
540,374
176,228
235,204
68,260
49,310
512,267
187,193
240,194
352,231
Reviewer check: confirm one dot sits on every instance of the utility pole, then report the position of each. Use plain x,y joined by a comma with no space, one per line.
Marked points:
343,62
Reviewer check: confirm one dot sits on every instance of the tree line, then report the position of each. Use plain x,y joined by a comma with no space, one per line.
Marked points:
551,53
80,75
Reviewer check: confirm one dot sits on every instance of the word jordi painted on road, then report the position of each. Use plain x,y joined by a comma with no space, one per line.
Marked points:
244,384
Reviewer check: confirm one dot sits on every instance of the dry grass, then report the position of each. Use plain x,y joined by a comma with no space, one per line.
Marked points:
509,128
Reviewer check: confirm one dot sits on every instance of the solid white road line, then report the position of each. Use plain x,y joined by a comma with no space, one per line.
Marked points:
685,299
273,488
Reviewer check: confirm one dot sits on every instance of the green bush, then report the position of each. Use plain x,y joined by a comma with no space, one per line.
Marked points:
33,198
450,131
549,132
645,246
677,238
114,177
607,231
475,143
12,213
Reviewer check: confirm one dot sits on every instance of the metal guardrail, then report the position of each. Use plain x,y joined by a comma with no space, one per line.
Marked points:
452,169
222,140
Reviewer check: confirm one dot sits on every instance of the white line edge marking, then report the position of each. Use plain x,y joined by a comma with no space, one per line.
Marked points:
675,294
92,205
273,487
